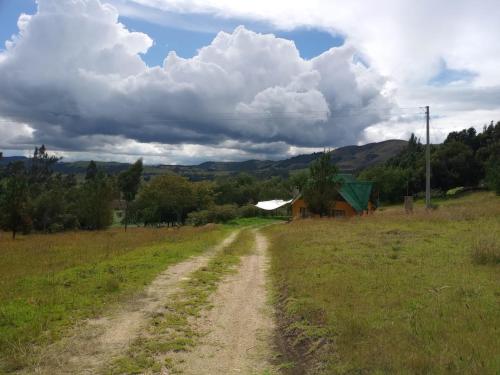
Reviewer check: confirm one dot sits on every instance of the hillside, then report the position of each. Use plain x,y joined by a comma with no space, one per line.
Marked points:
348,158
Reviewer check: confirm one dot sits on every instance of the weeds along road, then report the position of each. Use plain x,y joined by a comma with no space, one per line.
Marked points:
93,343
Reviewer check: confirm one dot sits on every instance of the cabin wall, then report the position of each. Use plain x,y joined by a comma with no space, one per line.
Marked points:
340,208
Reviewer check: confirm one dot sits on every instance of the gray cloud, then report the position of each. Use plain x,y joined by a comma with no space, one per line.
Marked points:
75,75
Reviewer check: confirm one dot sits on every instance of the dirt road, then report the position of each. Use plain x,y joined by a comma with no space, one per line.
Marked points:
239,326
96,342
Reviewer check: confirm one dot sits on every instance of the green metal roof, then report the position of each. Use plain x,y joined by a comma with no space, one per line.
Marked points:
357,194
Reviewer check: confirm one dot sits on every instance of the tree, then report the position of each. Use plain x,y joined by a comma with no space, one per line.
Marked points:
166,199
14,200
48,208
453,164
241,189
46,192
492,167
389,182
91,171
204,194
298,181
128,183
1,168
41,167
466,136
321,189
95,196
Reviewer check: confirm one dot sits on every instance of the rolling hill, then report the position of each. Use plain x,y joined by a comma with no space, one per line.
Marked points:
348,158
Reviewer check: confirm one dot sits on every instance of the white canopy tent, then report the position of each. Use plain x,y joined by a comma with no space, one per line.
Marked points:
272,205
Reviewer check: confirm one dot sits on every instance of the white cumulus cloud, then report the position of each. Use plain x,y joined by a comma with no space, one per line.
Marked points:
75,74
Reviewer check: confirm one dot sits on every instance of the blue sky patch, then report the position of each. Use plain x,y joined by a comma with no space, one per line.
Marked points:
311,42
10,10
183,33
447,75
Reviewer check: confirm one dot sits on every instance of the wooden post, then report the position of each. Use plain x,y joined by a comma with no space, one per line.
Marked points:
409,204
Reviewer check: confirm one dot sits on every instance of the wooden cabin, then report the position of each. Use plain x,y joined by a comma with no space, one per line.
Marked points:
354,199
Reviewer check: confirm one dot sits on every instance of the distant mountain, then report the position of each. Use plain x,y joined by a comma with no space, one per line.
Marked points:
348,158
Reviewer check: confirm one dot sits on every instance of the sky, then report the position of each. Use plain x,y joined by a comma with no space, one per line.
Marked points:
186,81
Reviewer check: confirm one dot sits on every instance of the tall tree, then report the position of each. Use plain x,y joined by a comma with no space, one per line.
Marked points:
91,171
95,197
41,166
14,200
453,164
492,167
166,199
321,189
128,183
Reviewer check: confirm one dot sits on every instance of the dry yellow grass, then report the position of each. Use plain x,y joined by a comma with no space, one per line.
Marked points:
48,282
39,254
392,293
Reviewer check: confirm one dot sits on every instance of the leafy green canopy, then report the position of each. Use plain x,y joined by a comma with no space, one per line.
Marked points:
321,189
466,158
128,183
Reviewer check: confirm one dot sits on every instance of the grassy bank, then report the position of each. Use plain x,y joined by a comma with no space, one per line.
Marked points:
392,293
50,281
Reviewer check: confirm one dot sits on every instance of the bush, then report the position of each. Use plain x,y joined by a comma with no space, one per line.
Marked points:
197,218
55,227
493,176
216,214
69,221
224,213
486,251
249,211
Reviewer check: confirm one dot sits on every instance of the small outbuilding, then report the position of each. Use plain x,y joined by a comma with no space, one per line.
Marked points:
354,199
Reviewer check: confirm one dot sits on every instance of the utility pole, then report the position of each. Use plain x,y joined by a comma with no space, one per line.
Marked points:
427,163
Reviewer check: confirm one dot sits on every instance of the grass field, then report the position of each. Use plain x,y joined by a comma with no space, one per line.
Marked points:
392,293
48,282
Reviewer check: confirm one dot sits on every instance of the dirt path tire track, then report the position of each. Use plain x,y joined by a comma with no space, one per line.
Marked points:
96,342
239,327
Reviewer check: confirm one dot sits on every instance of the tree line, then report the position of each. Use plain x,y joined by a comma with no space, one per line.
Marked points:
33,197
465,159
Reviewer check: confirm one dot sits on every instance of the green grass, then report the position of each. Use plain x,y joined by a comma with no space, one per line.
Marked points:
256,221
77,275
170,331
392,293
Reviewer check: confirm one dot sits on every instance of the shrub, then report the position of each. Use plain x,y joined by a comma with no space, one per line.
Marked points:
69,221
55,227
486,251
216,214
224,213
197,218
493,176
249,211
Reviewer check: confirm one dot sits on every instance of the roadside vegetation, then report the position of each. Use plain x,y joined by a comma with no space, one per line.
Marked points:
47,283
391,293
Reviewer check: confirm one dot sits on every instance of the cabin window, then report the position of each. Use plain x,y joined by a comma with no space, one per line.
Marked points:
338,213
